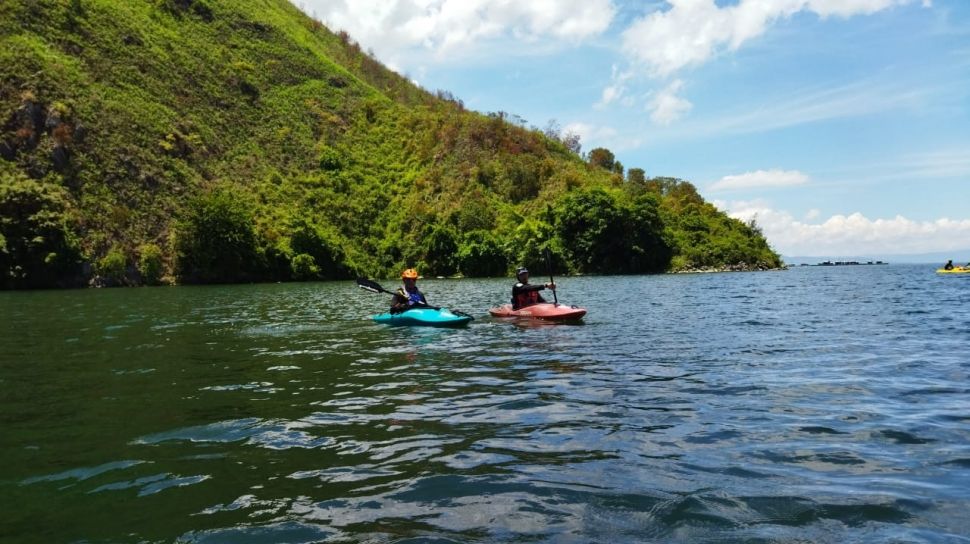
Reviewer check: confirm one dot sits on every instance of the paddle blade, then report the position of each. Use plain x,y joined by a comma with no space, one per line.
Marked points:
369,285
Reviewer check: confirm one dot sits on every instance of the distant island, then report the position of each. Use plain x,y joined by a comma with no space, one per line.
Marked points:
846,263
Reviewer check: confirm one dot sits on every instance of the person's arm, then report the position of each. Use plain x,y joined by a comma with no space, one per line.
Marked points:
399,303
521,288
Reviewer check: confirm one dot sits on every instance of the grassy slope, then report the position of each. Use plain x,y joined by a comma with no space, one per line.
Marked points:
136,107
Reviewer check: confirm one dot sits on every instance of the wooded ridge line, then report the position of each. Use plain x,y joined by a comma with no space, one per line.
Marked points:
207,141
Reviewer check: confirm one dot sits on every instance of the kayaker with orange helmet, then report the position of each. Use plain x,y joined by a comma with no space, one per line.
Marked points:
408,296
525,294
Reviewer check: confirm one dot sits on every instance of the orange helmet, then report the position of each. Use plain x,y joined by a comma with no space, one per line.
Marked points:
410,273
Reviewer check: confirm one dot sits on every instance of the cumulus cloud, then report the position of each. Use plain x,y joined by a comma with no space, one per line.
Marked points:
760,179
853,234
693,31
666,106
456,27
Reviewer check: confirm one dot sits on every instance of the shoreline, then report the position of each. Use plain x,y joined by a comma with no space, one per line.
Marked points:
740,267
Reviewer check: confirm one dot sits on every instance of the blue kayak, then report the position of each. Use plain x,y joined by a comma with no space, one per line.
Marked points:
424,317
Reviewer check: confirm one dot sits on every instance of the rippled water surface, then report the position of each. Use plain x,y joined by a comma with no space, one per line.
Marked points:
815,405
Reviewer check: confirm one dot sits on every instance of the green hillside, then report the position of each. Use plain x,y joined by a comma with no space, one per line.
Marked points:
201,141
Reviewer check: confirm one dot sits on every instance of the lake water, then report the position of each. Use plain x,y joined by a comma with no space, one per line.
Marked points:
816,405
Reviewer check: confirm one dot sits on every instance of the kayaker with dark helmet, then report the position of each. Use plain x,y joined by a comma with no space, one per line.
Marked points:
525,294
408,296
948,265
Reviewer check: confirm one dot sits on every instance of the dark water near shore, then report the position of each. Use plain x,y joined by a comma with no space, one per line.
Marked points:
813,405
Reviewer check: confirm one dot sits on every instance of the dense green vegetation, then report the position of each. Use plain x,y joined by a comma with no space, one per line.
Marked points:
225,141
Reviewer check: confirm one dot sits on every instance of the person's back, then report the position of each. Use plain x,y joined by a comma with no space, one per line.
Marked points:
948,265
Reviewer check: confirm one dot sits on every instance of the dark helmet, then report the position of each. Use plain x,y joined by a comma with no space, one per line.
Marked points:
521,270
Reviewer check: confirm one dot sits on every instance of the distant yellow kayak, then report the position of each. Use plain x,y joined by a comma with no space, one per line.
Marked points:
954,270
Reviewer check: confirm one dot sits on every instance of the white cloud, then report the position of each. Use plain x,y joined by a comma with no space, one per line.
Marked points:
848,8
666,107
590,133
456,27
693,31
616,89
853,234
610,93
760,179
602,136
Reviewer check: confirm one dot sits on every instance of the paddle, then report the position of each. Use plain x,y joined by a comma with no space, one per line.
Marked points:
374,287
548,253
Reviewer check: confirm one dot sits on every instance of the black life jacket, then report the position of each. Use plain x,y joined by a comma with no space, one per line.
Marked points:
525,298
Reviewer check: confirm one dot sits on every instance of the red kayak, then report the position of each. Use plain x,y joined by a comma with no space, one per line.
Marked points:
543,310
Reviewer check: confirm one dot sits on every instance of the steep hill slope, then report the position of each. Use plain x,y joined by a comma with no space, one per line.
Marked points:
217,140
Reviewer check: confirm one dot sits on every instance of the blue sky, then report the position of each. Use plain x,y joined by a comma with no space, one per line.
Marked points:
842,126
